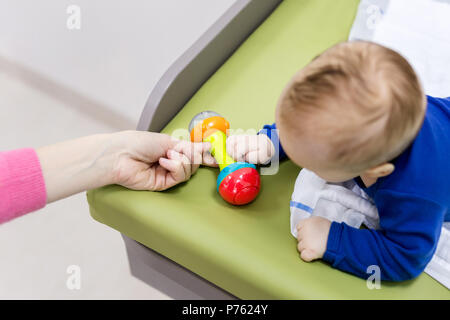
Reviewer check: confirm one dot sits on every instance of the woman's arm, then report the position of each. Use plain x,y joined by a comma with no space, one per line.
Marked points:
134,159
73,166
137,160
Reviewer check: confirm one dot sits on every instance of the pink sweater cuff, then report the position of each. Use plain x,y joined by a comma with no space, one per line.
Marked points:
22,186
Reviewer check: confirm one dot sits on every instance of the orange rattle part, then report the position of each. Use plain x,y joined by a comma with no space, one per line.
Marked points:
207,127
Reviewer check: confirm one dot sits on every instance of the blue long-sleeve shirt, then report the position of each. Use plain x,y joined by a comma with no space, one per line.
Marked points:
412,202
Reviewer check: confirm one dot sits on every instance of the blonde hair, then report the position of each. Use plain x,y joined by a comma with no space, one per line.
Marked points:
364,99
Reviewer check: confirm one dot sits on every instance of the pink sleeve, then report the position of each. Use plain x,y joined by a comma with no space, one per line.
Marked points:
22,186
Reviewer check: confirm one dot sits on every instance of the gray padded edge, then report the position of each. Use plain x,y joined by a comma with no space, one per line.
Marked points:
201,60
161,273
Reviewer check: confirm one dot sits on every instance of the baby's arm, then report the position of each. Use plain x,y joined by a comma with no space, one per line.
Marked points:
410,229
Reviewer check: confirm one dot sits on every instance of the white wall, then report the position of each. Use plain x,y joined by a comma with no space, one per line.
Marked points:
118,55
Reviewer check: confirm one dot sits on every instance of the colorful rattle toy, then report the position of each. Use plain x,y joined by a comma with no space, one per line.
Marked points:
238,182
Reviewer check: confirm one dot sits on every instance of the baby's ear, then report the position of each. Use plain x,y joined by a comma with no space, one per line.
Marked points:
382,170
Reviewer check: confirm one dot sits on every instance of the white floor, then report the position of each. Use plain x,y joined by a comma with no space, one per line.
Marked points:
37,109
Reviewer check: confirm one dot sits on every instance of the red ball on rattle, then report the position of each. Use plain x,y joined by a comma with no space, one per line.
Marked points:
238,182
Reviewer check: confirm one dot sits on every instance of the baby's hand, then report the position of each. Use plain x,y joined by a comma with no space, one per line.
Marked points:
312,236
256,149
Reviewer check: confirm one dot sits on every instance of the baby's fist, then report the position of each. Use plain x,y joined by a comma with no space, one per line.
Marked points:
256,149
312,236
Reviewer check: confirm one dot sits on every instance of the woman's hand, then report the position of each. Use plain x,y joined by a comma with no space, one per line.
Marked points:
153,161
134,159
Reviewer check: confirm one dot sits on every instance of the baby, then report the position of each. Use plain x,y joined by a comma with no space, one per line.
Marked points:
358,111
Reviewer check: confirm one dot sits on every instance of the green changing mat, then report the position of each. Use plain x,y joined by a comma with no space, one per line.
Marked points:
249,250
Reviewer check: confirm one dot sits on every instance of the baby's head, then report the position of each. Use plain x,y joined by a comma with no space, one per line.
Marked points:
349,112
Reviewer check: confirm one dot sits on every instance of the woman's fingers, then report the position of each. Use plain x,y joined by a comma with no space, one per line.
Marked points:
207,158
173,174
185,162
160,181
197,153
